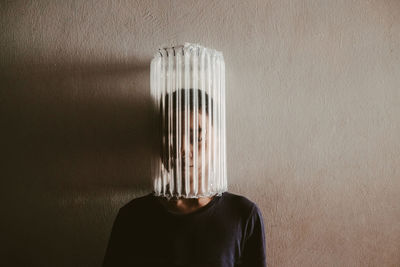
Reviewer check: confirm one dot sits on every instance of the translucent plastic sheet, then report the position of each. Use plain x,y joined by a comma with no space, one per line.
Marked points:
188,91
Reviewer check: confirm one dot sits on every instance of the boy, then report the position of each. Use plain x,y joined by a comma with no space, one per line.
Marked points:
211,229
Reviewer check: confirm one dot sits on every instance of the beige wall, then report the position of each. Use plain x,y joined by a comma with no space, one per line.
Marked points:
313,119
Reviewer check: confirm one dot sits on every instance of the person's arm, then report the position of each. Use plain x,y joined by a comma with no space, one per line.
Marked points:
115,252
254,252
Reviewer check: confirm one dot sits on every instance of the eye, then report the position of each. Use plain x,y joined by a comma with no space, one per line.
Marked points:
199,138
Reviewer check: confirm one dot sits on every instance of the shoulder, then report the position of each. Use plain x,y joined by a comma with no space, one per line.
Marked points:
238,200
139,204
241,204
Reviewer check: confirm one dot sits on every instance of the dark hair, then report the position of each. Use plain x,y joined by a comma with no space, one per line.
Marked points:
181,94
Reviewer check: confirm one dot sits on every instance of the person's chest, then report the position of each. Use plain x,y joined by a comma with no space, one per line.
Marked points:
198,241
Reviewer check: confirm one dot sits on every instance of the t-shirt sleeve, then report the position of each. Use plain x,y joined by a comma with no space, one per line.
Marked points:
254,251
115,252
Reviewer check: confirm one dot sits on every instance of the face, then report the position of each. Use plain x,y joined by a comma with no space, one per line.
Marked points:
190,150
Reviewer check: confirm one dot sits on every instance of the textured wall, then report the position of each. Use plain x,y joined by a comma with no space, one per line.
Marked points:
313,120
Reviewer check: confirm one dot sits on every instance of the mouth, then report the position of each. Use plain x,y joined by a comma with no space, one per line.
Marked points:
184,167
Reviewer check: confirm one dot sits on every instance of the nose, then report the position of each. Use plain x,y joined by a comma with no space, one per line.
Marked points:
183,153
187,155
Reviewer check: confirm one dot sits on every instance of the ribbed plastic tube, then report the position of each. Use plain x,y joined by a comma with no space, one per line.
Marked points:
188,92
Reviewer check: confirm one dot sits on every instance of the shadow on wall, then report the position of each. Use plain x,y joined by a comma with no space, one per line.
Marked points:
77,147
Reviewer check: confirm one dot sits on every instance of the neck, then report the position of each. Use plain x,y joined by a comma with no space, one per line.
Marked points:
185,205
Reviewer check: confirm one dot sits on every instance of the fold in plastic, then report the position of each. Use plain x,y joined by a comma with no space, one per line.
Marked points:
188,92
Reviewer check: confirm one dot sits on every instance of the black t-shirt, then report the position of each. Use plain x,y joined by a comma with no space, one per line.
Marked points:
228,231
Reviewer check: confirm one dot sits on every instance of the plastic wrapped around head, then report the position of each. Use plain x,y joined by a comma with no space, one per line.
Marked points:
188,89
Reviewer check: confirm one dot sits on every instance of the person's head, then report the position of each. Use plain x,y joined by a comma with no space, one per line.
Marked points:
186,137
